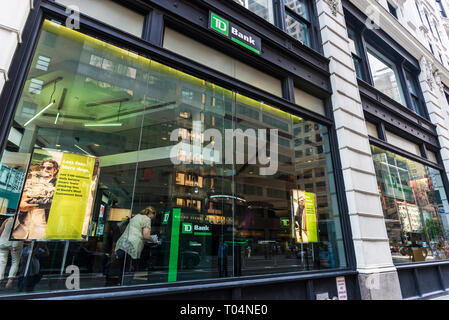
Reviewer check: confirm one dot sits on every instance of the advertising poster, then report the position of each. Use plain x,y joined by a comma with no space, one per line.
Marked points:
57,197
410,217
421,191
304,210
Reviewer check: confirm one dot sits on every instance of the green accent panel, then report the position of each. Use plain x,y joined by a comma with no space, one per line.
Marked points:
245,45
174,246
237,242
203,233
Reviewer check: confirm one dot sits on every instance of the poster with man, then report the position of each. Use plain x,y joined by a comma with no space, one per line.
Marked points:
57,197
304,215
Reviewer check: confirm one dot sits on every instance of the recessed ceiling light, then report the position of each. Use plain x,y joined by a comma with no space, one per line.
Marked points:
103,124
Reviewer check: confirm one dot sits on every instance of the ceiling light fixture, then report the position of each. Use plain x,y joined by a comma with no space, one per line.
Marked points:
78,147
100,103
39,113
103,124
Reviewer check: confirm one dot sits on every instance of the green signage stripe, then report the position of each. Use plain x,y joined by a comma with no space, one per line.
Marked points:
174,246
237,242
245,45
203,233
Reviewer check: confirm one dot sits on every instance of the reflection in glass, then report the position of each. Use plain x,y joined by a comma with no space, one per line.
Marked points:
413,89
160,135
298,29
415,204
263,8
355,51
299,6
385,76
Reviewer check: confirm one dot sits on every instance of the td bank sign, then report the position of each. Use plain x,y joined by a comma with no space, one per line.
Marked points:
235,33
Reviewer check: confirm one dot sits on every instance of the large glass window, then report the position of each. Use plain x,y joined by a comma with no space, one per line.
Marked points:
298,20
355,51
169,143
415,208
385,76
399,81
414,94
263,8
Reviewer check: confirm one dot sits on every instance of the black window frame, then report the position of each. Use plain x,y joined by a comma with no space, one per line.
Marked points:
392,10
356,56
400,63
419,12
442,11
296,16
428,22
280,13
438,32
312,23
411,78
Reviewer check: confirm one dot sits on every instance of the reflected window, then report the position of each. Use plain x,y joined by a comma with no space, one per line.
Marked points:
415,208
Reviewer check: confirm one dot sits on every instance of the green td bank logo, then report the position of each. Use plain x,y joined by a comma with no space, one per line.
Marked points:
235,33
166,217
219,24
187,227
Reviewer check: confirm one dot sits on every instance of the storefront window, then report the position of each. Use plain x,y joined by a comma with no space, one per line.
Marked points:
102,134
415,208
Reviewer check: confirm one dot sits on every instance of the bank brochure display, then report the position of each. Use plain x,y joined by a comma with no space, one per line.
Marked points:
58,196
304,216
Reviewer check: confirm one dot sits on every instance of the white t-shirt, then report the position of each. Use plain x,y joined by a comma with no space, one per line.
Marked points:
132,241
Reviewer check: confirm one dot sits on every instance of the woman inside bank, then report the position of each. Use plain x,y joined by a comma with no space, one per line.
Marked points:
131,243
